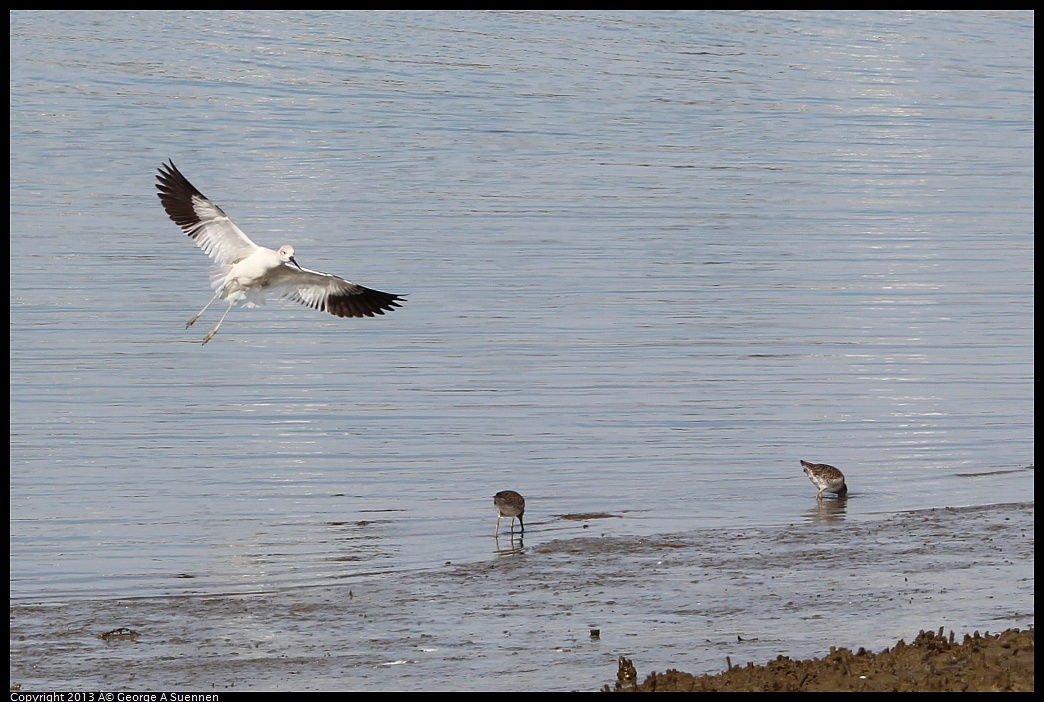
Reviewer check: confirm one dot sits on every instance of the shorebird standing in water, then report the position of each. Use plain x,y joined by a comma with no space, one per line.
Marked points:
826,478
509,504
244,271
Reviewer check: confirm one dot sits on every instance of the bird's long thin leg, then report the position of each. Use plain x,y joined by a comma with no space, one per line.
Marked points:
521,524
213,331
200,313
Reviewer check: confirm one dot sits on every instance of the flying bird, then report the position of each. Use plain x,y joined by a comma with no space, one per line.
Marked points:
243,271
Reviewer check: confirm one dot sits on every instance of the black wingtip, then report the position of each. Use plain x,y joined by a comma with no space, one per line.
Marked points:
175,193
367,303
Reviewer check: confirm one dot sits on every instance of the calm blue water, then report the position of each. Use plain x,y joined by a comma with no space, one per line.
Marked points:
652,260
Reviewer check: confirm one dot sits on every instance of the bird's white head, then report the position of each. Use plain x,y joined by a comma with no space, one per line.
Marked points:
286,254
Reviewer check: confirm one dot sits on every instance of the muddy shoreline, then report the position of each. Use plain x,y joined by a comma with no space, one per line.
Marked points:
522,619
932,662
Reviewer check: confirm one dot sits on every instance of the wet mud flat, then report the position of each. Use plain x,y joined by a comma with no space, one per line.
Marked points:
557,611
932,662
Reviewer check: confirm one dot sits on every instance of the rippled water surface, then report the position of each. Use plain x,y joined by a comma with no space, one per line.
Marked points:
652,260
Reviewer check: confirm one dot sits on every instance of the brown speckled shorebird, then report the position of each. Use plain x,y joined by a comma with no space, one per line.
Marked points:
826,478
509,504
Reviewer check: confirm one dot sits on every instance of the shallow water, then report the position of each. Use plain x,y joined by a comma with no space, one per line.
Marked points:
524,620
653,260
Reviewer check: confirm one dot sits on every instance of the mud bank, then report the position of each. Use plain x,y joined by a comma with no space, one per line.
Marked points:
933,662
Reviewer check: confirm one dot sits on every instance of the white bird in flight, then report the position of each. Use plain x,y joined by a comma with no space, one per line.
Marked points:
244,271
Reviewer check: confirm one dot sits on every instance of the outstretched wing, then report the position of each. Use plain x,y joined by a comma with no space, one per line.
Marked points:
339,297
201,219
